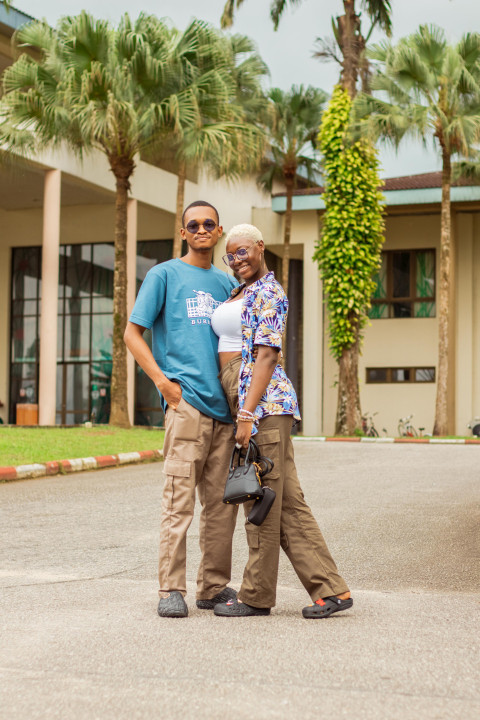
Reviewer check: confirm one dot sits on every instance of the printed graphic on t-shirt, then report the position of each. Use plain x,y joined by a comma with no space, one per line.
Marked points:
201,307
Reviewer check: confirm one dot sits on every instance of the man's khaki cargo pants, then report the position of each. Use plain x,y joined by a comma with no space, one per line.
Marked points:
197,452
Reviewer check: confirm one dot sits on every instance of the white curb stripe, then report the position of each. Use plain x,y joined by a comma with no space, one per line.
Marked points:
129,457
24,471
377,439
76,464
89,463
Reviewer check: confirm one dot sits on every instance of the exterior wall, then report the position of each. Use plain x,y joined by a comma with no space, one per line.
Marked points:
394,343
403,342
467,385
5,270
414,342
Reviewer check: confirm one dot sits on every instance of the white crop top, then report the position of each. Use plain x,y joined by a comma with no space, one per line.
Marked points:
227,324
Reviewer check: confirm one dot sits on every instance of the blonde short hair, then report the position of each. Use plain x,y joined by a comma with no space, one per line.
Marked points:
244,232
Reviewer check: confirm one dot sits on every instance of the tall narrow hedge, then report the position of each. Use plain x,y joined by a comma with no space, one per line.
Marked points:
348,252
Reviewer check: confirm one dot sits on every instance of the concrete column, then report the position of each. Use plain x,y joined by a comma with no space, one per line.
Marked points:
476,317
452,331
49,311
132,213
464,328
313,370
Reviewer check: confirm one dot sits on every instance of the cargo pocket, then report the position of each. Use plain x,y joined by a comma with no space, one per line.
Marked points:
186,422
177,468
268,442
179,489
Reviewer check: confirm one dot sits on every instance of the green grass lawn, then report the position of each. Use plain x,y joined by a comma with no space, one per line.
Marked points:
22,446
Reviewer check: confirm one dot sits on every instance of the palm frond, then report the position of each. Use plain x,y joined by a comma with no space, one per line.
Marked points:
228,14
469,50
327,50
425,88
467,169
380,13
430,44
277,9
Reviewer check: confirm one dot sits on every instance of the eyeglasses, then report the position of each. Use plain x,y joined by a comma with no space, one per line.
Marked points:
208,225
241,254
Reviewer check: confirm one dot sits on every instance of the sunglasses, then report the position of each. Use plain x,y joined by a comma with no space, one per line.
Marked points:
208,225
241,254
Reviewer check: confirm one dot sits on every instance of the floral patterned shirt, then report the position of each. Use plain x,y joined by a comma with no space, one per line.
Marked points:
264,316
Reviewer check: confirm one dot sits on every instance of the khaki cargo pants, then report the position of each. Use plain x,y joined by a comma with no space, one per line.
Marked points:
197,452
290,523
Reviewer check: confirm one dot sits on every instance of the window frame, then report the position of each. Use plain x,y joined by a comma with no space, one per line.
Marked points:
389,373
390,300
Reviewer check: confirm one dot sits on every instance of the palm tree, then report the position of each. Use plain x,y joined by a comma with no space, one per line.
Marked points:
347,34
227,140
119,91
430,89
293,123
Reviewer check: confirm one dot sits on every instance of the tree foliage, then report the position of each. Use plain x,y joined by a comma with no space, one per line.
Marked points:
352,235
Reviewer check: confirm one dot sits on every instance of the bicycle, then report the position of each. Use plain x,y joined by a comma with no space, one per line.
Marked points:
406,429
368,426
474,426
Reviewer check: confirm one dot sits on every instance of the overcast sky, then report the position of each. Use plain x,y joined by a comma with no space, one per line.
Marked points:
288,52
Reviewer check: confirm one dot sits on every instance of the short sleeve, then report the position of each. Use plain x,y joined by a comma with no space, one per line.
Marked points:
271,321
150,299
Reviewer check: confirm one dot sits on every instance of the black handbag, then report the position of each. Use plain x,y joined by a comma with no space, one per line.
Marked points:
244,481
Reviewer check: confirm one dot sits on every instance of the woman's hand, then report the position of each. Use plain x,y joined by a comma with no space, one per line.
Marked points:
244,433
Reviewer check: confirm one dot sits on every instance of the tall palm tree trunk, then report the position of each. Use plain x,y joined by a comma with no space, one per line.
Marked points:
177,238
287,234
118,390
348,27
441,406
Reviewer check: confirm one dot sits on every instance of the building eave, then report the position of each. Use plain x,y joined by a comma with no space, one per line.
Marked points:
419,196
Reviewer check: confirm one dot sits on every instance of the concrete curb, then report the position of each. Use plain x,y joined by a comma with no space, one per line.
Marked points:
62,467
402,440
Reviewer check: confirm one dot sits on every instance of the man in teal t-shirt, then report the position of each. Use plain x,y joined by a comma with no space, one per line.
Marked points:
176,301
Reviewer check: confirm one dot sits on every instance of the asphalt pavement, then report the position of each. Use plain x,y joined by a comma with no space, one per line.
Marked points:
80,637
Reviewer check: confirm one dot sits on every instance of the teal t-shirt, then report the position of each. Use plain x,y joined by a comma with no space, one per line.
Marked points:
176,301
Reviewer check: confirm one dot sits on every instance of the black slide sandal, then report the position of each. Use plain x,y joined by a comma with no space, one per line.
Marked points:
325,607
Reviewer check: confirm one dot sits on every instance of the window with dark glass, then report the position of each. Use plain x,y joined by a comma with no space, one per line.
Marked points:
24,324
400,375
84,331
405,285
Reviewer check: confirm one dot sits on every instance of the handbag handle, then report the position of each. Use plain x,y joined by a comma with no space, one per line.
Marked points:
260,460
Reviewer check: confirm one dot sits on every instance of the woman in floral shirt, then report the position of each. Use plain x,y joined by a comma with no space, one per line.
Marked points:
250,326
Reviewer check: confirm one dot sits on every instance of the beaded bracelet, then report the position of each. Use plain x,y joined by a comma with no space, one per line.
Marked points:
246,416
